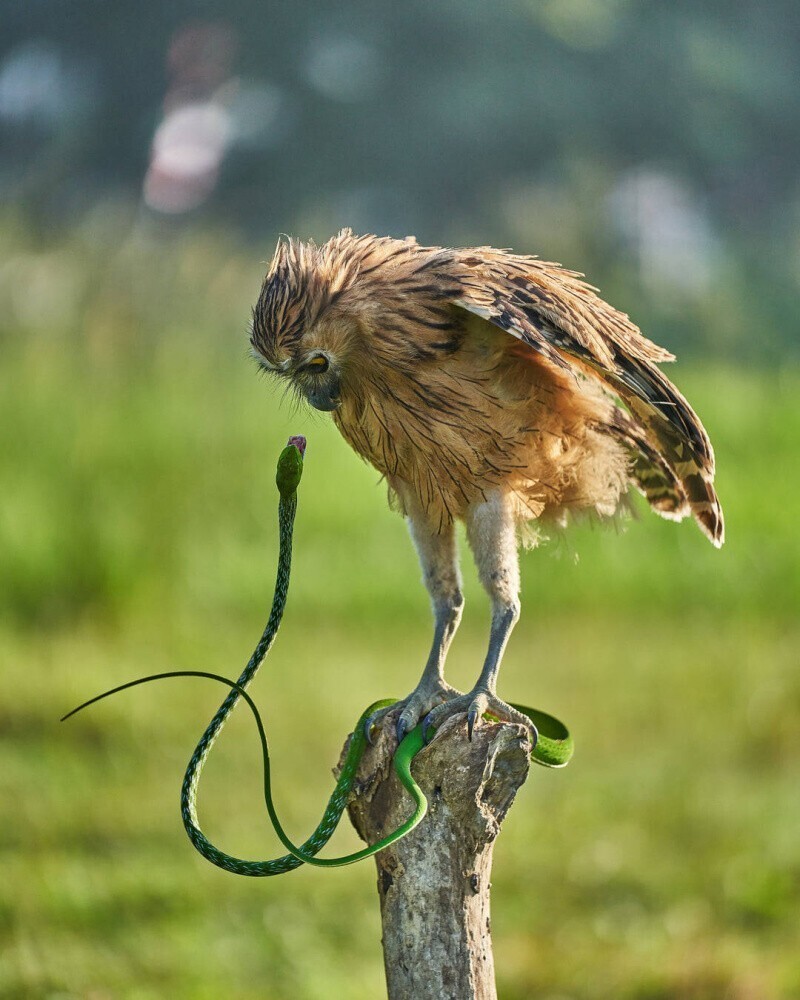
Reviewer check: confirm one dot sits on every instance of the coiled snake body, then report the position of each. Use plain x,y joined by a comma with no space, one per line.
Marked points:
553,748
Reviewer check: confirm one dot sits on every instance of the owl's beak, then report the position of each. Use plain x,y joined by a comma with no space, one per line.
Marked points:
325,394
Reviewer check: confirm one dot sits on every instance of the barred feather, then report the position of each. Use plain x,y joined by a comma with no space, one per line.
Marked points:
561,317
651,474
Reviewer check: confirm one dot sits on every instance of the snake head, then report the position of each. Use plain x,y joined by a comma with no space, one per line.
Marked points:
299,442
290,466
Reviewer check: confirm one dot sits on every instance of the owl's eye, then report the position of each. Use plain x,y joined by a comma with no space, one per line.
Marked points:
317,365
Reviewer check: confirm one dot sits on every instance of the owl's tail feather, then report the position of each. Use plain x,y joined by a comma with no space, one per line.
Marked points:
669,494
669,435
706,507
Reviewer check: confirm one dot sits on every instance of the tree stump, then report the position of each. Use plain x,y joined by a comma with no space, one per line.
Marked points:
434,883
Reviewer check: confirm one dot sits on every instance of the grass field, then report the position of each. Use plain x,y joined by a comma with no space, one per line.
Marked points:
137,534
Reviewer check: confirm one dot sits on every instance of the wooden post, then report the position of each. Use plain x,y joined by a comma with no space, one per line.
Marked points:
434,884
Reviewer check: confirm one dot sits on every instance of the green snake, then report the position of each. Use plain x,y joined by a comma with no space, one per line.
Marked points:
553,748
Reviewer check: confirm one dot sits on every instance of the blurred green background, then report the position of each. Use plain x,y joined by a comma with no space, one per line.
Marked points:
149,156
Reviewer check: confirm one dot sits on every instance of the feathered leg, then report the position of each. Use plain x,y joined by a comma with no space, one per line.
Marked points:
438,556
491,532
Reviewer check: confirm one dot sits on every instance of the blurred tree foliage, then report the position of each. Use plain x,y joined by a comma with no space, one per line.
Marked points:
646,143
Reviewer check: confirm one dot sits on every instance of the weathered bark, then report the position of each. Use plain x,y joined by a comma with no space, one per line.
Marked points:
434,883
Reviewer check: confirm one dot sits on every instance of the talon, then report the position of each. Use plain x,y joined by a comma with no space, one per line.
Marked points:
402,729
472,715
427,722
369,727
534,737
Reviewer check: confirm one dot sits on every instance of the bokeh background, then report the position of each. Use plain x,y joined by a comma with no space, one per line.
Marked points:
150,154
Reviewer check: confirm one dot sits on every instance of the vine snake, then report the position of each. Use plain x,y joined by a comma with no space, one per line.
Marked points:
552,749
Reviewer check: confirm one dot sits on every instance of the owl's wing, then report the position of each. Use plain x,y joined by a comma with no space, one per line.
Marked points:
561,318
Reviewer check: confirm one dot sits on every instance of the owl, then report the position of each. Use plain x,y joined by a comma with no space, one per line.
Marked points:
489,388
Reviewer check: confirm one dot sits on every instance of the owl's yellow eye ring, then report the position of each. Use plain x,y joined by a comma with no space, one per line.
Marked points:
318,365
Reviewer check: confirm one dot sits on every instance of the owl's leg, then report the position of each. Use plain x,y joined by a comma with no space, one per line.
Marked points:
438,556
491,532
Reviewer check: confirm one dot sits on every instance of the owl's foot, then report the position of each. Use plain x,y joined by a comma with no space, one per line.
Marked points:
477,703
424,698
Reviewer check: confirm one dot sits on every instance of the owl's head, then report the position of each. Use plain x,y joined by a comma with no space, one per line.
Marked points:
302,330
328,317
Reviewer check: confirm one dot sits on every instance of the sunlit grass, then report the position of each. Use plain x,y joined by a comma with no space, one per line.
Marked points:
137,531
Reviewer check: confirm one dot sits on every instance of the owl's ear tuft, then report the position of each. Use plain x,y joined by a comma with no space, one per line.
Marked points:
279,256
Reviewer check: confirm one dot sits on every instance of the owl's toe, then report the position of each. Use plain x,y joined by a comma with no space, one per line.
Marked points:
477,704
412,708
